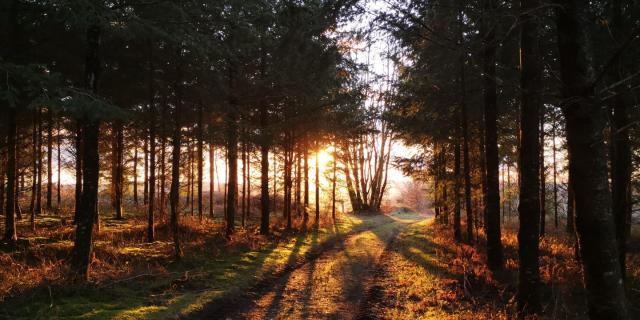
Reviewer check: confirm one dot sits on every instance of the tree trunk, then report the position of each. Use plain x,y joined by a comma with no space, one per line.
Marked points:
10,234
543,180
555,174
456,188
212,159
200,158
145,179
317,181
152,153
586,121
49,198
528,297
621,160
174,195
244,179
59,143
232,165
36,158
306,179
492,205
38,210
81,254
78,186
118,172
333,183
135,173
264,171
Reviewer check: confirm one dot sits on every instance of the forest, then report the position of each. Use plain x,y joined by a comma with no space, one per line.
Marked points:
319,159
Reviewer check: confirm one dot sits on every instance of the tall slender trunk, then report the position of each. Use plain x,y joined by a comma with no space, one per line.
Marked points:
298,196
36,158
333,184
456,185
212,159
10,234
174,195
59,165
571,208
244,179
118,172
232,165
317,181
543,179
38,210
49,197
264,170
586,119
200,157
492,205
145,179
152,151
465,152
555,174
87,210
275,181
306,178
163,162
528,297
135,173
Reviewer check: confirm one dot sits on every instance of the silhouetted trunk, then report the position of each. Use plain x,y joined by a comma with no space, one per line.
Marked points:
81,254
145,179
78,186
288,181
212,160
555,174
49,198
232,165
306,179
317,181
152,155
264,170
333,184
586,120
174,196
135,173
163,161
58,189
10,234
467,163
571,208
528,297
118,170
35,159
456,185
492,203
621,160
543,180
38,209
244,179
200,158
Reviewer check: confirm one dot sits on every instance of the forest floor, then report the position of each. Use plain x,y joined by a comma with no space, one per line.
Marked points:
397,266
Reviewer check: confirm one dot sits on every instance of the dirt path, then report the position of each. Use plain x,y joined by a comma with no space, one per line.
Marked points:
329,286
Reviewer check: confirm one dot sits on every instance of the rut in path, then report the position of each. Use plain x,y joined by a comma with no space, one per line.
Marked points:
330,285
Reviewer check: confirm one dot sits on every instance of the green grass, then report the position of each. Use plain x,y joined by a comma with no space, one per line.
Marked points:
185,288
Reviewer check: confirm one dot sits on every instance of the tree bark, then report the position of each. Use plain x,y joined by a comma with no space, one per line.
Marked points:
200,158
118,172
174,195
264,170
49,198
621,160
528,297
543,180
86,213
10,234
492,205
586,121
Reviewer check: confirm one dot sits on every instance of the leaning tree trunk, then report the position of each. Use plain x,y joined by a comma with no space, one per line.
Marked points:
528,297
492,205
586,120
81,254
